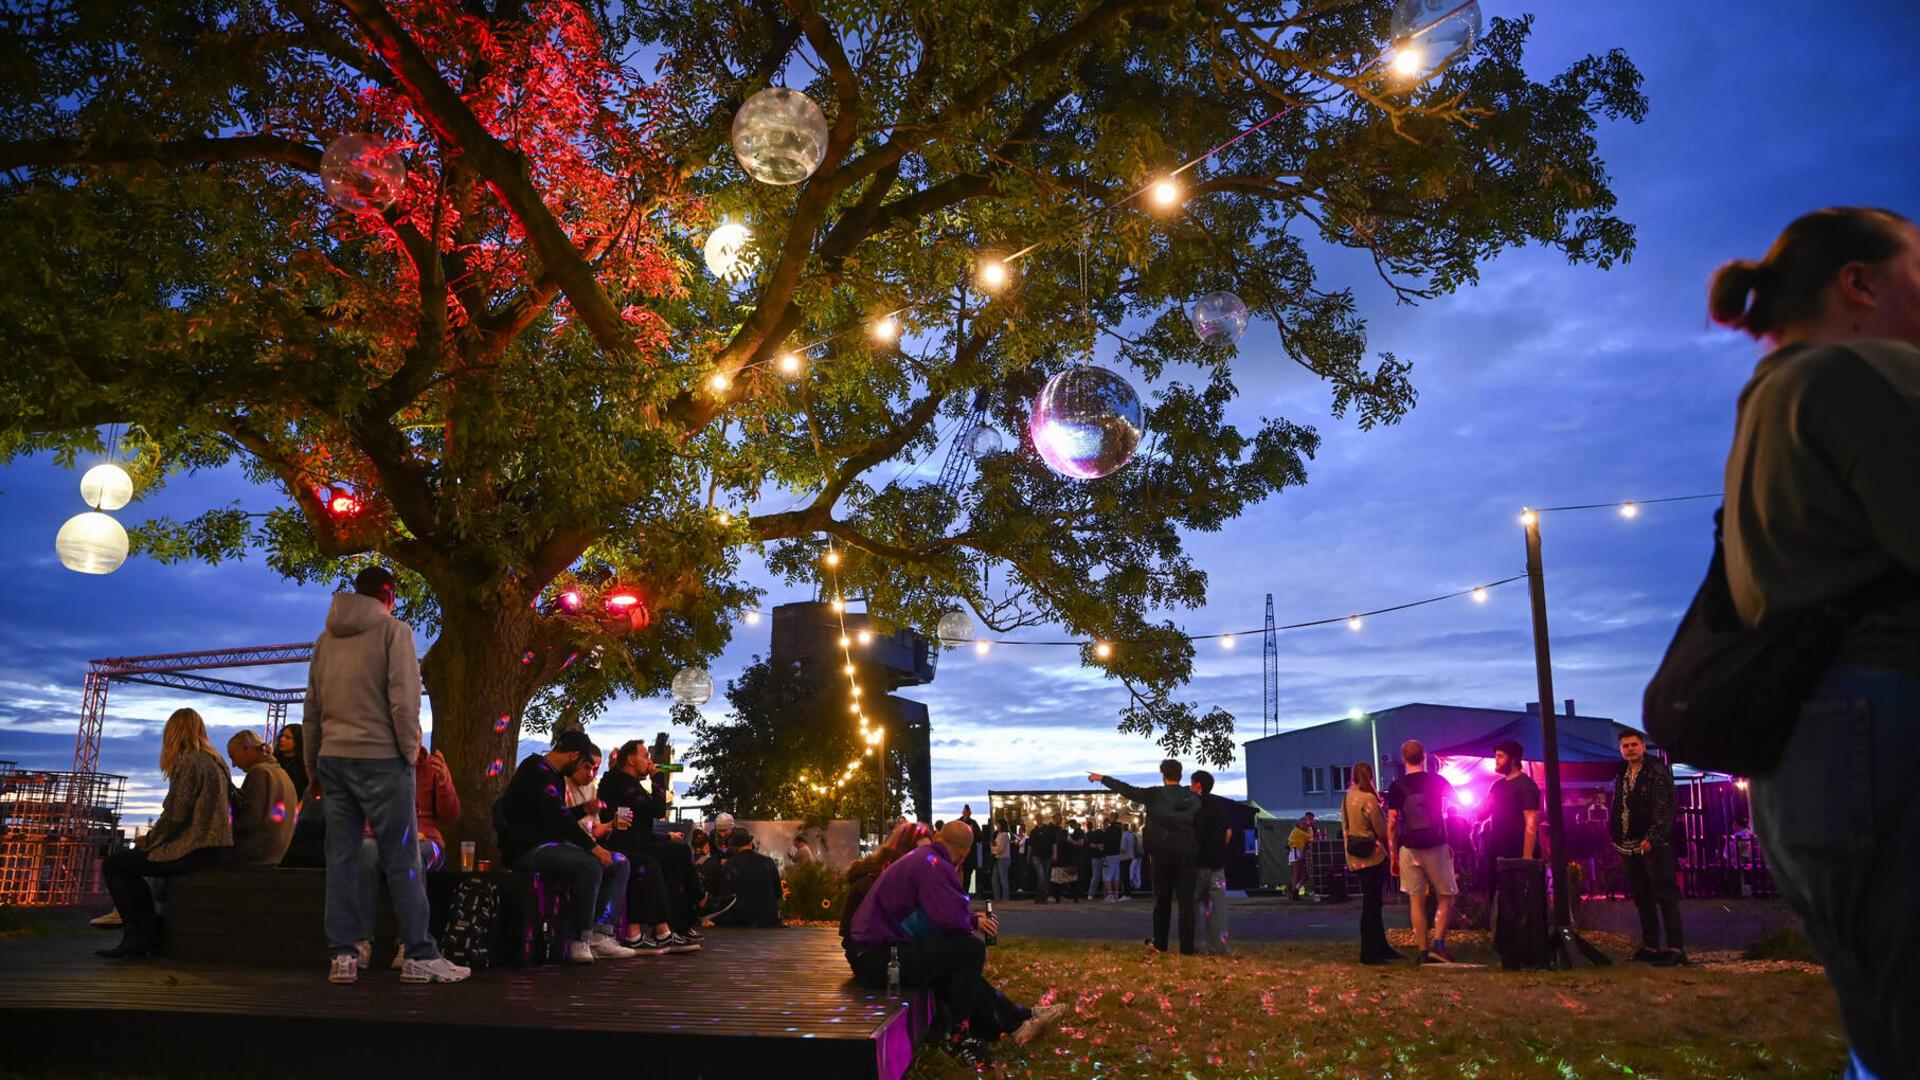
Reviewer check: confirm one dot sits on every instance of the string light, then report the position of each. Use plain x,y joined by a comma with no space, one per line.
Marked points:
865,637
723,518
886,329
1480,594
752,617
1529,518
981,647
1103,650
991,274
791,364
844,641
1226,641
718,382
1408,61
831,558
1629,510
1165,193
1353,622
838,604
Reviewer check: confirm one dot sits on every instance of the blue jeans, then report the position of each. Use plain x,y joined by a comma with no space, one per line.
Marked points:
1042,878
1002,888
376,792
431,858
1838,823
595,891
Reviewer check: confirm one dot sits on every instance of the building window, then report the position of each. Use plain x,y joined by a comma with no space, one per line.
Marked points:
1313,780
1341,775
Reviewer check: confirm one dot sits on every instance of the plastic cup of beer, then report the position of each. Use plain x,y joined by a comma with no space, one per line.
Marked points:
624,816
466,855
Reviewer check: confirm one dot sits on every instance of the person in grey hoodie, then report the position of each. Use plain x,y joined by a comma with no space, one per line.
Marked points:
362,725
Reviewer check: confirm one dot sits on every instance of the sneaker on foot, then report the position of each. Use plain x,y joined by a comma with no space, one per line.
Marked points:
602,945
971,1053
1644,955
345,969
692,935
647,945
108,921
1438,954
363,949
678,944
1043,1018
437,970
400,959
579,952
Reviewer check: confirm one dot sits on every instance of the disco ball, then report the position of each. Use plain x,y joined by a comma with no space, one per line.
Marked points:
1218,317
727,253
361,172
106,487
780,136
1428,35
985,441
955,627
1086,423
91,543
693,686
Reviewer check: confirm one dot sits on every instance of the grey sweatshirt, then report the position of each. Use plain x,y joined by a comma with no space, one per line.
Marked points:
1821,496
363,686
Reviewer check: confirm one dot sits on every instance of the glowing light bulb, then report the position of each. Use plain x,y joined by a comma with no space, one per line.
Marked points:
832,558
1353,622
723,517
1356,714
1103,650
865,637
1165,193
845,641
1408,61
886,329
856,712
992,274
1629,510
848,669
752,618
790,364
856,691
1529,518
869,751
980,647
838,604
1226,641
719,382
1480,594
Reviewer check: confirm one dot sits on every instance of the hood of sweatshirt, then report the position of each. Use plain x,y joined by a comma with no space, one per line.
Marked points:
355,614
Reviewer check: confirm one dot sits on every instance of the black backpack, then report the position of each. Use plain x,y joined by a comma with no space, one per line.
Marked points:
472,920
1172,818
1422,816
1727,696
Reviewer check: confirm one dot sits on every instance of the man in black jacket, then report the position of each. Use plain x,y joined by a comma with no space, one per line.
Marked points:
754,881
658,905
538,835
1641,822
1172,843
1210,875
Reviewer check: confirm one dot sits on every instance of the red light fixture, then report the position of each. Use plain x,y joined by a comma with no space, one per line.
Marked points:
621,601
342,504
570,599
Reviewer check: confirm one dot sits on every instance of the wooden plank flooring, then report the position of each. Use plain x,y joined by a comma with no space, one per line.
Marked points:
753,999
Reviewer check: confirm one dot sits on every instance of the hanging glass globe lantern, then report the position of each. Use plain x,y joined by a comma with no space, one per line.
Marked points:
728,256
1086,422
692,686
106,487
985,441
1218,318
362,173
91,543
780,136
1429,35
955,627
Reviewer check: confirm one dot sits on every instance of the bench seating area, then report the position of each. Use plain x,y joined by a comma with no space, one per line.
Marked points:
274,917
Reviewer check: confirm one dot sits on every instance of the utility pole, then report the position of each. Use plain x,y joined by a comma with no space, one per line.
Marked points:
1270,669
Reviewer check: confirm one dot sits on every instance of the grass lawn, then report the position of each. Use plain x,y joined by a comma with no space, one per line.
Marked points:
1308,1010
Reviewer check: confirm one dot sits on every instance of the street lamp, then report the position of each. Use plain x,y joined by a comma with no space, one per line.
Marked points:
1373,729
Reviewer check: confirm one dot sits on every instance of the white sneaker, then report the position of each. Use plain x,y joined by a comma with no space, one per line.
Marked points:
345,969
400,959
438,969
602,945
579,952
108,921
364,950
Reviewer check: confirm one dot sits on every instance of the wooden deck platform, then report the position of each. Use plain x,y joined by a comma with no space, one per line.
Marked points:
752,1000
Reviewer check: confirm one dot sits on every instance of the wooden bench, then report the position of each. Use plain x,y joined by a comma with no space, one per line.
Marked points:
273,917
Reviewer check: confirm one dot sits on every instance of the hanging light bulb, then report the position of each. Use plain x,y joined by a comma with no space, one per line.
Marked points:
865,637
831,558
106,487
1165,193
1353,622
1103,650
727,253
1529,518
992,274
1226,641
980,647
91,543
1408,61
719,382
838,604
845,641
790,364
849,669
856,691
1480,594
886,329
1629,510
751,617
723,517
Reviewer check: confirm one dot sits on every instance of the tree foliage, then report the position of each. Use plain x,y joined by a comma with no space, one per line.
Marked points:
510,368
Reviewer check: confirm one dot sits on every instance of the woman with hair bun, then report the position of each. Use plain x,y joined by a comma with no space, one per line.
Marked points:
1823,505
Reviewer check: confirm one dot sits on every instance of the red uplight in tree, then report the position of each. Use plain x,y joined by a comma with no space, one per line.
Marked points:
341,504
570,600
621,601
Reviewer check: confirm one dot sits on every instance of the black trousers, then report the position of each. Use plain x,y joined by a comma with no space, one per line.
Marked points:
951,965
1650,879
1126,877
647,902
1373,926
685,891
127,871
1173,878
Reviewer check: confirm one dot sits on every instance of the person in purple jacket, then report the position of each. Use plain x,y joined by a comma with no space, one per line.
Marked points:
915,916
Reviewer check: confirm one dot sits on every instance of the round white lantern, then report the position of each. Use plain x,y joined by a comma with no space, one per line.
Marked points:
955,627
1218,317
1086,422
1428,35
106,487
91,543
780,136
692,686
985,441
727,253
362,173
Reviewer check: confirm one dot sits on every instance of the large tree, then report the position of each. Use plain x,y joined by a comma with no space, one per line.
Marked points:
512,369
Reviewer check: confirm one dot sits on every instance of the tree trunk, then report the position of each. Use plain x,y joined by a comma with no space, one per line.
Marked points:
474,677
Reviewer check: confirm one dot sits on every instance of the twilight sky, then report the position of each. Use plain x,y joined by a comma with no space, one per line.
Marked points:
1547,384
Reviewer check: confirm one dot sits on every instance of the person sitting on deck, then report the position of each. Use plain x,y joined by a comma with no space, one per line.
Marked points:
663,889
263,820
538,835
195,829
916,926
752,880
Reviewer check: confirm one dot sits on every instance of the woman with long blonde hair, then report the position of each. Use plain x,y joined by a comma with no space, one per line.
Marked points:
195,829
1365,829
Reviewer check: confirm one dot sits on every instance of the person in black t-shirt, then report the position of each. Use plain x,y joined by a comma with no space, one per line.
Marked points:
754,880
1513,811
1214,830
1417,848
